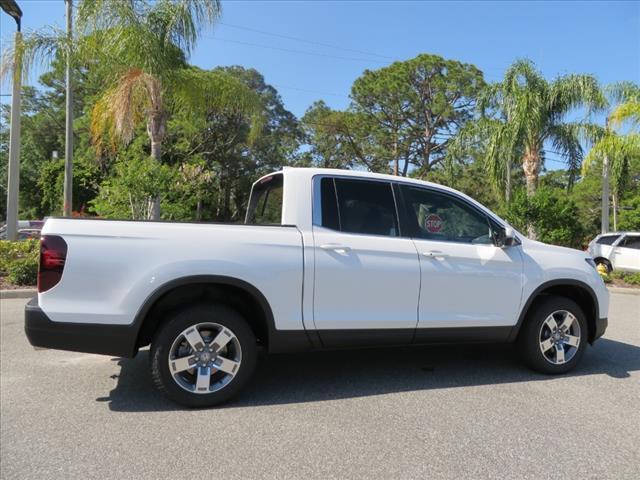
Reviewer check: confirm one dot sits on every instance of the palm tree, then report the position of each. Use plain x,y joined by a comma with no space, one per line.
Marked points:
145,45
615,150
524,113
139,49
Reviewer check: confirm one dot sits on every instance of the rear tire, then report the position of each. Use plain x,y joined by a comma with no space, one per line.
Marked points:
203,355
554,336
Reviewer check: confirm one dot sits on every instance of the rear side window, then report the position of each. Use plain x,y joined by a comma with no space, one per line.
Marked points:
631,242
358,206
265,206
607,239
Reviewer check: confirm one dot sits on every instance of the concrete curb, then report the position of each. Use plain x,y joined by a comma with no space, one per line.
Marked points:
18,293
624,290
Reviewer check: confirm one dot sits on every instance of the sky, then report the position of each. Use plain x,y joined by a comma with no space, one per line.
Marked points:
311,50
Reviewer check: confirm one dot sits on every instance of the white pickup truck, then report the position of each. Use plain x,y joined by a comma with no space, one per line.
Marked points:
326,259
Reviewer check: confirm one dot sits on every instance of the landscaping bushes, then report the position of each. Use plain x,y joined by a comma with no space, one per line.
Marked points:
19,261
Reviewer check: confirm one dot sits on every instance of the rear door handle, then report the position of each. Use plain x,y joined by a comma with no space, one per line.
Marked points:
435,254
335,247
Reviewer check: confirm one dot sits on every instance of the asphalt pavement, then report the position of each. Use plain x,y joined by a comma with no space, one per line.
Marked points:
440,412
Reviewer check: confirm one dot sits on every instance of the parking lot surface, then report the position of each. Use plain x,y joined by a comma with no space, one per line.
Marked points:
438,412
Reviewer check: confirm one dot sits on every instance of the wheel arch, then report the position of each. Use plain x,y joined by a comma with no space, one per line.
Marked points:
578,291
233,292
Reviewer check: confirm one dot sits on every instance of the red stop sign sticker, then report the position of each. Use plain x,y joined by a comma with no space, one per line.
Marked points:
433,223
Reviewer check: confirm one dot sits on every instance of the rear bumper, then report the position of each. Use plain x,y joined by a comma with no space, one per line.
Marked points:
116,340
601,327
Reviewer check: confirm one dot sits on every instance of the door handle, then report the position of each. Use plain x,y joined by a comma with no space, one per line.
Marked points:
335,247
435,254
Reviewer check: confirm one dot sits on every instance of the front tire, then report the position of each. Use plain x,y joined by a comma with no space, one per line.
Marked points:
203,355
554,336
605,263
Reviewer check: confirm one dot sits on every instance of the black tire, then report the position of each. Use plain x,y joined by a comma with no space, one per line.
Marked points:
170,331
532,333
606,263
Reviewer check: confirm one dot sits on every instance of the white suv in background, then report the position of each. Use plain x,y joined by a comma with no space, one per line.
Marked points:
617,251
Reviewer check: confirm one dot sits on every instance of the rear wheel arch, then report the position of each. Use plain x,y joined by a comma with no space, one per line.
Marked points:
234,293
579,292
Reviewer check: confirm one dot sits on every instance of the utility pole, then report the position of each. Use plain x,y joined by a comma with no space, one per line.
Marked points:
13,180
605,194
68,144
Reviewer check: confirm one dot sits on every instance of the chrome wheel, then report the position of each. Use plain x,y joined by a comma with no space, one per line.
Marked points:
559,337
204,358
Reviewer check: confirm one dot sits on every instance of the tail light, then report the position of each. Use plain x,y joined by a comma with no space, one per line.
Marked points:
53,254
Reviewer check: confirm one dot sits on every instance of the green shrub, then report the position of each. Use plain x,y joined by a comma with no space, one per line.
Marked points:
23,272
554,216
11,252
627,277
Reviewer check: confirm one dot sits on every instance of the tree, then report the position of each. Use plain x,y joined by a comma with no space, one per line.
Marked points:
138,48
616,150
131,192
233,150
413,108
338,139
531,114
144,45
553,214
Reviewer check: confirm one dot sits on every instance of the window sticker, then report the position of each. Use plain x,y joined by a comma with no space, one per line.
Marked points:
433,223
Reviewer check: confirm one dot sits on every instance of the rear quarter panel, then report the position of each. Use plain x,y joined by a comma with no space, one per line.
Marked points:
114,266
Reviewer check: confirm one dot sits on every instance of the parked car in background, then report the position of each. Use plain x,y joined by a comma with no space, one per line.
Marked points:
27,229
617,251
28,234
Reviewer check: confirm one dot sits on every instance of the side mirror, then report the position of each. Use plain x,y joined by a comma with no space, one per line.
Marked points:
505,237
509,239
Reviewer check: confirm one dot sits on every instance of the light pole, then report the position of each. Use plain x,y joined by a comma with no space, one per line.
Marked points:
68,144
605,195
13,180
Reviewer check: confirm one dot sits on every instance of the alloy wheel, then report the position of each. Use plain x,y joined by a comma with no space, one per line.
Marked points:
560,337
205,358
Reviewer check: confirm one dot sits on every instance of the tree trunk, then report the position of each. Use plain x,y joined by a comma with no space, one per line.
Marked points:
396,160
531,168
507,190
156,131
405,169
199,210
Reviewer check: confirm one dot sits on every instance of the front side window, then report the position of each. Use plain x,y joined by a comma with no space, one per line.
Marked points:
358,206
608,239
437,216
631,241
265,205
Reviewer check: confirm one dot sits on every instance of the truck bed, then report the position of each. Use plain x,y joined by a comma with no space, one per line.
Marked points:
113,266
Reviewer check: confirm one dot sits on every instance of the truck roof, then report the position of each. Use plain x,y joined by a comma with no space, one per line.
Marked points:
300,177
309,172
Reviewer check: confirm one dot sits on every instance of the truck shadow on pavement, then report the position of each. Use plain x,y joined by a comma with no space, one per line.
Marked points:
332,375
